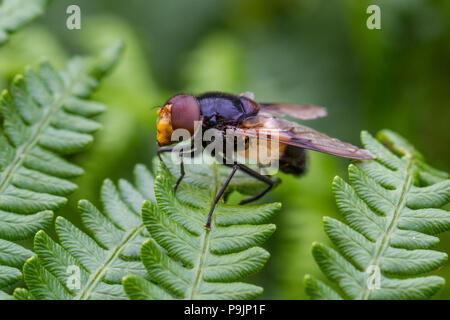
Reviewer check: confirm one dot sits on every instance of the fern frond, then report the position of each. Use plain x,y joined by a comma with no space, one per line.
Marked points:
83,266
185,261
16,13
44,116
391,219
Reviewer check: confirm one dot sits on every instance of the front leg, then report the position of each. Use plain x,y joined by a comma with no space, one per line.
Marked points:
161,150
182,171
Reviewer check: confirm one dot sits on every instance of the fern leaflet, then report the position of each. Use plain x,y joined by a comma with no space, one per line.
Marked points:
91,267
16,13
45,115
185,261
391,216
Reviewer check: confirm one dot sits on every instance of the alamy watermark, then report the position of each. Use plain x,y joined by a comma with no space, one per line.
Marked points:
374,20
254,147
374,277
73,281
73,21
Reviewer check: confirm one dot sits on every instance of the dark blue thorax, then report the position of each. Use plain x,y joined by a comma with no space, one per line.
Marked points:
220,109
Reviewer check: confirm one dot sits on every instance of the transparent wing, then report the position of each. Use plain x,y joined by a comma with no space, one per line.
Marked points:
248,94
298,111
266,126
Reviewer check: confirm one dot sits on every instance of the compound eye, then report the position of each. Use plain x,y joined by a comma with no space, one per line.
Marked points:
185,111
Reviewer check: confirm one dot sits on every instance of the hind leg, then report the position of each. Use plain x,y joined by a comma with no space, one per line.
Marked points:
252,173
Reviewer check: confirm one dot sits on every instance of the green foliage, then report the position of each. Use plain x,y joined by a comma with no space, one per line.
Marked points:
186,261
104,257
391,216
180,260
45,115
16,13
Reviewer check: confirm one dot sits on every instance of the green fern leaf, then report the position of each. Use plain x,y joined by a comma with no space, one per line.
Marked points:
44,116
103,257
16,13
185,261
391,219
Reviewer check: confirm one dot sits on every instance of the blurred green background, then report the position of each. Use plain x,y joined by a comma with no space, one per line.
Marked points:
306,51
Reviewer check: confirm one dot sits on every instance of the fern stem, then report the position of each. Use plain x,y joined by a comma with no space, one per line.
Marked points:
199,271
205,244
384,243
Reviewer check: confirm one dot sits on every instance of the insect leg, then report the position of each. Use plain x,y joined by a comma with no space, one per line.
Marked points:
252,173
219,195
169,149
192,155
260,177
182,173
161,150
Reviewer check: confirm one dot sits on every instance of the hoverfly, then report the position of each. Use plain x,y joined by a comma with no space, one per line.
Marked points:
250,119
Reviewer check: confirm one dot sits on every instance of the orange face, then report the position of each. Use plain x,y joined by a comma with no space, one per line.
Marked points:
164,126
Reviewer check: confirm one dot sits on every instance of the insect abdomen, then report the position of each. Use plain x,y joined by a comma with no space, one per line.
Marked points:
293,160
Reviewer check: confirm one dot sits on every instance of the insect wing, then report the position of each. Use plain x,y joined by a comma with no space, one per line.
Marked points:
298,111
265,126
